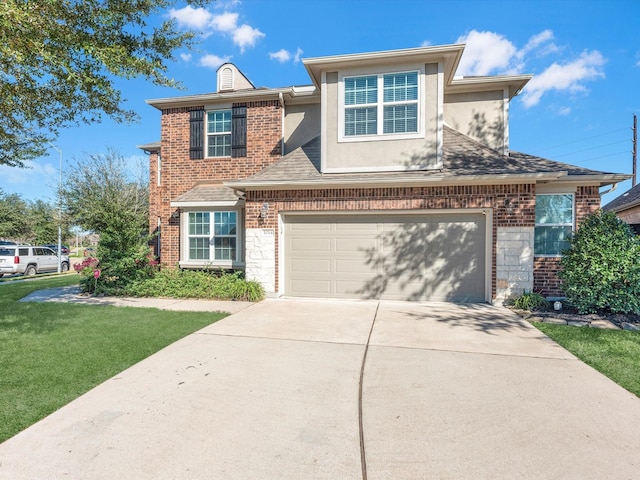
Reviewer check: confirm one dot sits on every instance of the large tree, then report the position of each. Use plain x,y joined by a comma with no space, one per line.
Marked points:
59,60
103,193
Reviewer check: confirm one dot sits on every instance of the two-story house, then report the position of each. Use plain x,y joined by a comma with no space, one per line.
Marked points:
387,177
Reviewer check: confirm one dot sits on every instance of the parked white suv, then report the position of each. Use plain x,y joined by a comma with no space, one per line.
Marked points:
29,260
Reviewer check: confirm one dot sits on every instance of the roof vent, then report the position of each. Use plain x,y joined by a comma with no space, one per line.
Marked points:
226,79
231,79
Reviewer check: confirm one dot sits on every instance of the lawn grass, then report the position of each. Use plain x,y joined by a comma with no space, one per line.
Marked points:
614,353
51,353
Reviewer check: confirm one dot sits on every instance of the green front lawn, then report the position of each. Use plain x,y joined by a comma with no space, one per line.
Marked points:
615,353
51,353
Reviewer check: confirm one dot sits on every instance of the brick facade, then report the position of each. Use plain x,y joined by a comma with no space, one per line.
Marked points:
513,206
519,210
179,174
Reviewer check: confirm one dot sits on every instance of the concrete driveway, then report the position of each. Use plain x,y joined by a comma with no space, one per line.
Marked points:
315,389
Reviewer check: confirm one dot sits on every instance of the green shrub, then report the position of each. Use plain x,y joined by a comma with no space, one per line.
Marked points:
601,268
530,301
203,284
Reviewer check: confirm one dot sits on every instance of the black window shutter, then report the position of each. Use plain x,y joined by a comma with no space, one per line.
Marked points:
196,135
239,131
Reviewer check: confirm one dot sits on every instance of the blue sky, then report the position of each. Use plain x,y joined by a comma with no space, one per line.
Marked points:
578,108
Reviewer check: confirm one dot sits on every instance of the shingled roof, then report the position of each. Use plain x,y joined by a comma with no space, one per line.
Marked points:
628,199
463,158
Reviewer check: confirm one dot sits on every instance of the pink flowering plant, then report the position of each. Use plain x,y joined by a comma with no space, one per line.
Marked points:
120,264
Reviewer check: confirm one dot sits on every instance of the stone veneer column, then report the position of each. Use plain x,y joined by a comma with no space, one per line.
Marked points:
261,257
514,262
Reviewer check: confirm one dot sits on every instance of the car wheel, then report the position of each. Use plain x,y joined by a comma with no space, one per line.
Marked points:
30,270
64,267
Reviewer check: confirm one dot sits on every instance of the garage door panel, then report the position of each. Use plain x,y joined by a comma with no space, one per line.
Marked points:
311,266
311,245
399,257
311,288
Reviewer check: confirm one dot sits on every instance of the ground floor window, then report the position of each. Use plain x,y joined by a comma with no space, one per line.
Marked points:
554,223
213,235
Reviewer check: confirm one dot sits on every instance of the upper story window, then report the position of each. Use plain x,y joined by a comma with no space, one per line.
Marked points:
382,104
219,133
554,223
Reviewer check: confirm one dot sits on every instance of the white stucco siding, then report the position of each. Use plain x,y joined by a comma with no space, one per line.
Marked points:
479,115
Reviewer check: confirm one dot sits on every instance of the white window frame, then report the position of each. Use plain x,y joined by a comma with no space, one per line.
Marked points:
186,261
572,224
380,104
217,134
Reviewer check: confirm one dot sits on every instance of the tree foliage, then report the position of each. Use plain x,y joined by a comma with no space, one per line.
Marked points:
101,194
601,268
59,60
32,222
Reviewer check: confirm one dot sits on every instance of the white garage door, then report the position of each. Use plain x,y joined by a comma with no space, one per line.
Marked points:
437,257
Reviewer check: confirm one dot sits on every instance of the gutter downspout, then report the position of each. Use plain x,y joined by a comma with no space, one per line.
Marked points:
281,99
613,187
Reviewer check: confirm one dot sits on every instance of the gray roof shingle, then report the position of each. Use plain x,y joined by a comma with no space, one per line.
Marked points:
462,156
628,199
208,192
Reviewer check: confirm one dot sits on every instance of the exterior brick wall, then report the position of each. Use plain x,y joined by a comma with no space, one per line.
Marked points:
179,174
518,211
545,269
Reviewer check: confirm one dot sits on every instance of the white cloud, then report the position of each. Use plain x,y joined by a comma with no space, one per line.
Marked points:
569,76
485,52
246,36
564,111
491,53
426,43
225,22
281,55
213,61
189,17
186,57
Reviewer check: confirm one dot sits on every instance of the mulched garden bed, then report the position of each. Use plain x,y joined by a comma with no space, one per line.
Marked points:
568,314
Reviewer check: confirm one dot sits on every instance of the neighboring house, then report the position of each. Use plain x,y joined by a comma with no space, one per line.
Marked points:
387,177
627,207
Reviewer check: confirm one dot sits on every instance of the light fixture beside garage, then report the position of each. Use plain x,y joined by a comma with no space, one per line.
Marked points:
508,205
264,211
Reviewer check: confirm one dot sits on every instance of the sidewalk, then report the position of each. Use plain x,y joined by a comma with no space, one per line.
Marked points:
72,295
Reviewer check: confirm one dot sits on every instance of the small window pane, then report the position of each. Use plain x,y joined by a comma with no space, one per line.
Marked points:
360,121
219,121
401,118
225,248
400,87
360,90
219,146
198,249
551,240
199,223
224,223
554,209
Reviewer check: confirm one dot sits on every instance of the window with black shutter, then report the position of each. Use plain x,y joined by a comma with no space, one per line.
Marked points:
196,134
239,131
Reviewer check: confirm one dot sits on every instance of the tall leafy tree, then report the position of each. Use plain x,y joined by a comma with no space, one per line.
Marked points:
13,215
59,60
43,223
103,193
